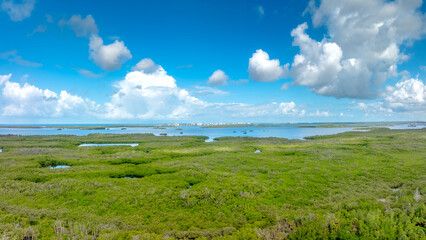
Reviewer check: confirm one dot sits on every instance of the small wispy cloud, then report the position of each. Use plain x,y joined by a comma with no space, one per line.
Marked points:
185,66
49,18
204,91
320,114
260,10
239,81
89,74
83,27
285,86
18,11
113,38
12,56
39,29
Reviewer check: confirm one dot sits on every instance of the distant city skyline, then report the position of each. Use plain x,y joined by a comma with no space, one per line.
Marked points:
149,62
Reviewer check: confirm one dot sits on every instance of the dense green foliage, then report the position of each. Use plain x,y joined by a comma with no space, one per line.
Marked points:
355,185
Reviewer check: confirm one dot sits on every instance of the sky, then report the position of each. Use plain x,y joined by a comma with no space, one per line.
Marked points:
187,61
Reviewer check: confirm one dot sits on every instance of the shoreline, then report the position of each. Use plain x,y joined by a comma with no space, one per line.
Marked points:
216,125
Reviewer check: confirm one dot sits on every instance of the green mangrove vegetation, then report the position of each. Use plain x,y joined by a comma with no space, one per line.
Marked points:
354,185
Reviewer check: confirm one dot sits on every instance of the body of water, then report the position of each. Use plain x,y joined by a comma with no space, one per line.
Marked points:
108,144
289,132
59,166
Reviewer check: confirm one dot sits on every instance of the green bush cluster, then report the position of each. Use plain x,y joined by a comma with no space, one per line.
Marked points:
355,185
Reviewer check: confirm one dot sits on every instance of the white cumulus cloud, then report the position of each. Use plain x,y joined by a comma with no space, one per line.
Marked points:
29,100
218,78
18,11
153,96
407,95
362,49
406,98
288,108
156,96
263,69
109,57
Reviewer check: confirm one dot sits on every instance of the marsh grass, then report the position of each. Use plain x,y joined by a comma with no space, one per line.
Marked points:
326,187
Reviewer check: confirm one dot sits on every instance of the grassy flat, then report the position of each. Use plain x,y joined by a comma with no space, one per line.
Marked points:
354,185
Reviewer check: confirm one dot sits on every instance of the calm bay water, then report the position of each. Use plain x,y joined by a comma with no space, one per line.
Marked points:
289,132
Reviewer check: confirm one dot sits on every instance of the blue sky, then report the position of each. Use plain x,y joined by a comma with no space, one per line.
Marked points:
211,61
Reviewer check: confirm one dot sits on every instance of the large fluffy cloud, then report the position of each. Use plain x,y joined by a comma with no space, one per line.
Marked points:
153,96
29,100
263,69
407,95
218,78
320,66
362,49
18,11
109,57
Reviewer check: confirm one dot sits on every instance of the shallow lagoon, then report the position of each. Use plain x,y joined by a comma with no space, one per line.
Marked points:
108,144
290,132
59,166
